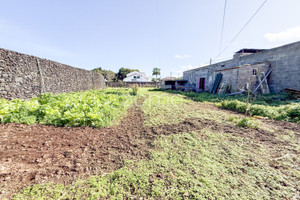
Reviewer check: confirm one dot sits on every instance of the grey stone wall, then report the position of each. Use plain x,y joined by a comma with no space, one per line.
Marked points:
285,62
240,78
24,76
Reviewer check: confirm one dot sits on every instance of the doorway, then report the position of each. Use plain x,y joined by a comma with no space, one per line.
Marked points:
202,84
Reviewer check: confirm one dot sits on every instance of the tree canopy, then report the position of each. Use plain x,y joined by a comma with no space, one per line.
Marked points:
112,76
155,72
124,71
108,74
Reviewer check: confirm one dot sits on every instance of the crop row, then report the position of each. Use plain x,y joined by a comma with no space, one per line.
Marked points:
90,108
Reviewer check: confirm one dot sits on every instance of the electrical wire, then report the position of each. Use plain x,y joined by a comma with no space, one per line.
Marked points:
158,34
223,25
242,28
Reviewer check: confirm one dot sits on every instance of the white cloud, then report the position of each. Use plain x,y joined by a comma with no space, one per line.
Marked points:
287,35
182,56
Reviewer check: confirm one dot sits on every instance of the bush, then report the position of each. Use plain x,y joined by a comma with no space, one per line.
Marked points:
247,122
289,112
134,90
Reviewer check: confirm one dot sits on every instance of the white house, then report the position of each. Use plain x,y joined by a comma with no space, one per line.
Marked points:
137,77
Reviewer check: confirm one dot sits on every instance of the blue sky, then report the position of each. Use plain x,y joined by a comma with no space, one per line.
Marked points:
174,35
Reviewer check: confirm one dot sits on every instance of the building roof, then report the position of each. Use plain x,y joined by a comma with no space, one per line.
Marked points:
250,50
134,73
168,78
181,81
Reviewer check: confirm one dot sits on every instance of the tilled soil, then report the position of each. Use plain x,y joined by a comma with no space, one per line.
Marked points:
38,153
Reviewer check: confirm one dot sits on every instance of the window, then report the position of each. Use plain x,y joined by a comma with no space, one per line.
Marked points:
254,72
138,77
222,65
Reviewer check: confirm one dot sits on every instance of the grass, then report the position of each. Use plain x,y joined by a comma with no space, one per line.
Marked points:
90,108
267,99
205,164
274,106
160,108
199,165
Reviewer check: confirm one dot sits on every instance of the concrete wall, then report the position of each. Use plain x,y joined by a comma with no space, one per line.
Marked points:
285,62
24,76
240,78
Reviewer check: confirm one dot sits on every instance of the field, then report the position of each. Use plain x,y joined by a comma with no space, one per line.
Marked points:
112,144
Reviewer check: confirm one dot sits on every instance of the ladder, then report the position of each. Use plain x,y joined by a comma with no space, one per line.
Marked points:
263,83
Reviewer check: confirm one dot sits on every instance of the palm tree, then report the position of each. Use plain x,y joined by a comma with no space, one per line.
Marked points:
156,72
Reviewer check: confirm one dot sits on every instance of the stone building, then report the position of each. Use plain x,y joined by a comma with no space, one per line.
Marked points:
249,67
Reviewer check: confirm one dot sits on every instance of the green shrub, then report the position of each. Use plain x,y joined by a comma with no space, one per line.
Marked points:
247,122
134,90
289,112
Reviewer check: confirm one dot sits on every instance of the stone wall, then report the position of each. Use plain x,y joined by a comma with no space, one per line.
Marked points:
284,60
130,84
240,78
24,76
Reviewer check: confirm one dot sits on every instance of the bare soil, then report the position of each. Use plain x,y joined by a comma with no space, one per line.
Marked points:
38,153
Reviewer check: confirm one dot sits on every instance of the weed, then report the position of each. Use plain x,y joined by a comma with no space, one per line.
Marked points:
134,90
247,122
273,106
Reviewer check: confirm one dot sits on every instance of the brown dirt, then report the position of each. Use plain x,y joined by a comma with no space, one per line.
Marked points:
37,153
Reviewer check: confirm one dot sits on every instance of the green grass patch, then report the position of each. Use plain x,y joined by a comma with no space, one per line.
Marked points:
289,112
200,165
96,108
161,108
274,106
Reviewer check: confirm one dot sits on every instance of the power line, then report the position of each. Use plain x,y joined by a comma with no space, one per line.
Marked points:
158,33
243,28
223,25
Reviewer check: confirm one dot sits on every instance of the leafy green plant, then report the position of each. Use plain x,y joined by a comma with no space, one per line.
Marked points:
247,122
96,108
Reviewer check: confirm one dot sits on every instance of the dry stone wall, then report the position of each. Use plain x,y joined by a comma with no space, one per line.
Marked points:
24,76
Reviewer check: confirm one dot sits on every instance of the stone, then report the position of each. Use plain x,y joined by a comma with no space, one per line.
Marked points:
2,63
19,79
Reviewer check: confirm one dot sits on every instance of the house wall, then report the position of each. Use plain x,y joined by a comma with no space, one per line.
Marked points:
230,77
239,78
130,77
24,76
285,62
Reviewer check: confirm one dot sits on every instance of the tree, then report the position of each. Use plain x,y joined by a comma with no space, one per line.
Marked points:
123,72
107,74
156,72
